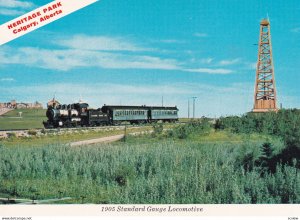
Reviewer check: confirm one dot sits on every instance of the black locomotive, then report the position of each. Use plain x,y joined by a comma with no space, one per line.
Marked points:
79,114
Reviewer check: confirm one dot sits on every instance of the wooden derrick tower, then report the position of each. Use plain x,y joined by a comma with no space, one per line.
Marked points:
265,91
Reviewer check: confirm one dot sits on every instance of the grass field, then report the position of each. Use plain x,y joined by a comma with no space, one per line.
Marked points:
149,169
190,163
68,136
31,118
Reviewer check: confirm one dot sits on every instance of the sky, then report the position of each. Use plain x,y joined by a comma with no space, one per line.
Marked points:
134,52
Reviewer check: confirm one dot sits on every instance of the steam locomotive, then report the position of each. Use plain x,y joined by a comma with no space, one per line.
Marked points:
79,114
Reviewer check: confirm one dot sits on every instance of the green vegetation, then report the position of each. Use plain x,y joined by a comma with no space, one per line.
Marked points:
168,172
30,119
65,136
284,124
237,160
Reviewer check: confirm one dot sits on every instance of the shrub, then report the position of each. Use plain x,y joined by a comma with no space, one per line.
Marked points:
32,132
123,175
157,130
11,135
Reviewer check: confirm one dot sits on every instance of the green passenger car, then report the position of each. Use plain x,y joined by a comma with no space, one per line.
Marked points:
140,114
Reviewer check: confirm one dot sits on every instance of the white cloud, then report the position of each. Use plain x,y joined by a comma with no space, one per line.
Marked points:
7,79
206,60
101,52
102,43
10,12
14,7
252,65
200,35
172,41
296,30
229,62
15,4
68,59
65,60
210,71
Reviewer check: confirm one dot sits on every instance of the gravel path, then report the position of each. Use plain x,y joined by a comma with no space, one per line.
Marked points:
98,140
5,110
108,139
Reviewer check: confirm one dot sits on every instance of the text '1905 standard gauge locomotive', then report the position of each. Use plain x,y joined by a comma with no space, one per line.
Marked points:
79,114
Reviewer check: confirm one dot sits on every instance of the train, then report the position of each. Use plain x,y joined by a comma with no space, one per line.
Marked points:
80,115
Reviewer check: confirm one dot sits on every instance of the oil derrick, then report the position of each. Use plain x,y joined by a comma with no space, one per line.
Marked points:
265,91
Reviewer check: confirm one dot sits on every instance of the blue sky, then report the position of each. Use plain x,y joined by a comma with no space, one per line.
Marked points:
136,51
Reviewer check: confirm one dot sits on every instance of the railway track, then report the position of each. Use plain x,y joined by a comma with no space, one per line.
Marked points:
26,132
85,128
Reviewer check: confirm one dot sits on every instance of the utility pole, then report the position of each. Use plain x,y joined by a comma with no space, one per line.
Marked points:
194,98
188,108
162,101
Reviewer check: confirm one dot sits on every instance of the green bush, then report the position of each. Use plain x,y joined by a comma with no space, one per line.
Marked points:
11,135
196,127
32,132
157,130
283,124
153,173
